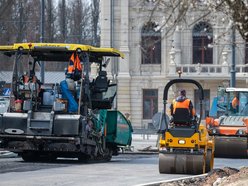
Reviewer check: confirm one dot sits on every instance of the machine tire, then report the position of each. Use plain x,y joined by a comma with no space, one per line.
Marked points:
47,158
29,156
83,158
108,154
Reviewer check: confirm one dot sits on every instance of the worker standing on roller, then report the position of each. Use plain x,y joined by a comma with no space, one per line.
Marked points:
235,102
182,102
73,73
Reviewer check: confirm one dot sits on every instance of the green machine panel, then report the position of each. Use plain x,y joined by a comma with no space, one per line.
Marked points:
119,129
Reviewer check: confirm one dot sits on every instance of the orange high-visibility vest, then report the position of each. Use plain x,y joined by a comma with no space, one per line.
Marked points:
184,104
74,63
209,120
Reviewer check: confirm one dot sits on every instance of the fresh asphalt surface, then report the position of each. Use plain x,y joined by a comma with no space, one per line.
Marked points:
123,170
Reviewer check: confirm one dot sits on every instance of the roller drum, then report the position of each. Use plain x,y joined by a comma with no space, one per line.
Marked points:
180,163
234,147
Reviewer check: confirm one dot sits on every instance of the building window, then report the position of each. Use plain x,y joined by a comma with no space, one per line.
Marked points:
150,103
150,44
205,103
202,38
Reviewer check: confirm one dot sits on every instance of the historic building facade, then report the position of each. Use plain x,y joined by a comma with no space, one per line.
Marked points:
153,56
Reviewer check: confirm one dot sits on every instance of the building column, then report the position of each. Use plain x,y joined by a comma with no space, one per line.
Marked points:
123,97
124,38
105,22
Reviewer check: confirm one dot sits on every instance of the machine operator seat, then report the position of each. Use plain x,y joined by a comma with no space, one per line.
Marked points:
182,117
98,87
101,83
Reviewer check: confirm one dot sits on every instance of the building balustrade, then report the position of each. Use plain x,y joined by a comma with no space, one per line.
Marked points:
207,70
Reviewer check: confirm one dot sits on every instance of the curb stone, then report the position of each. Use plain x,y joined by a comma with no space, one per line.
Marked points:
172,180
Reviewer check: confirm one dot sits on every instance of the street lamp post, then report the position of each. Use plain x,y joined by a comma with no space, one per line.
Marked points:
233,66
42,21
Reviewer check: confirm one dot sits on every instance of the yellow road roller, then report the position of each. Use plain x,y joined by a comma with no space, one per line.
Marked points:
184,146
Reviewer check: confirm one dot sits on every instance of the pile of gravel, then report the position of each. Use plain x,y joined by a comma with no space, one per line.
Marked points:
217,177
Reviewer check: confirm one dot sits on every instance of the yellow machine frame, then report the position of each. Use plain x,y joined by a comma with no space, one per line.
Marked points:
69,47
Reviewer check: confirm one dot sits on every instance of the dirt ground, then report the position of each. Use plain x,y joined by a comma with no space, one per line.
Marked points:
217,177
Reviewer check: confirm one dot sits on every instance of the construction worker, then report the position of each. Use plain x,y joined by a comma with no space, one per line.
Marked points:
74,69
235,102
182,102
73,73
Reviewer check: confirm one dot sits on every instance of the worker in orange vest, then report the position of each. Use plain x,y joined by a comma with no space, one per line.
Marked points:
74,69
73,73
182,102
235,102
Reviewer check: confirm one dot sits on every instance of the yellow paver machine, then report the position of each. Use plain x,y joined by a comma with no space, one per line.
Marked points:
185,146
68,116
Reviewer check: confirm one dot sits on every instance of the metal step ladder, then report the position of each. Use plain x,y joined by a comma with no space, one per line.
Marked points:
40,122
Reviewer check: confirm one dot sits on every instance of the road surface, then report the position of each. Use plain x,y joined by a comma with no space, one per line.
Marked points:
123,170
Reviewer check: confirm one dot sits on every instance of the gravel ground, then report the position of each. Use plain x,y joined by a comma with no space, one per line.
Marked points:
217,177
